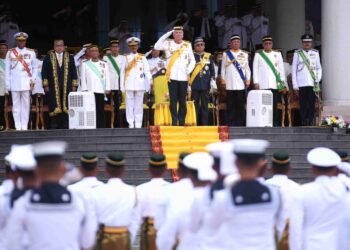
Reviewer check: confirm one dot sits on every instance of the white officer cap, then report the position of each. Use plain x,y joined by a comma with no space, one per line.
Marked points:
216,148
250,146
21,157
207,174
21,36
323,157
133,41
224,152
50,148
344,167
202,162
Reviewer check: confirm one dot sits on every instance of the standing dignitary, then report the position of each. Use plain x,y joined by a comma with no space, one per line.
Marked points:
137,80
51,216
21,72
235,73
268,72
116,66
95,79
317,213
3,52
307,74
180,65
59,76
202,80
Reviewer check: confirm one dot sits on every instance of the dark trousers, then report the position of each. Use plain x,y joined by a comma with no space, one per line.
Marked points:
177,94
2,113
307,100
100,111
59,121
235,107
276,98
116,99
200,98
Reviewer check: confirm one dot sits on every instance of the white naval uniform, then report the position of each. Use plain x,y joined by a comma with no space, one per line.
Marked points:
185,64
317,214
69,224
246,220
85,185
38,88
115,79
232,26
300,73
115,205
148,195
2,77
18,82
176,219
262,73
257,27
90,81
5,193
344,230
135,84
156,64
229,72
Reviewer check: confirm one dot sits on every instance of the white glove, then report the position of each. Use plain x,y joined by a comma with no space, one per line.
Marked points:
213,84
189,88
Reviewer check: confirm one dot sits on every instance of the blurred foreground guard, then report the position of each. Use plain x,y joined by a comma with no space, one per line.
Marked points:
51,217
318,212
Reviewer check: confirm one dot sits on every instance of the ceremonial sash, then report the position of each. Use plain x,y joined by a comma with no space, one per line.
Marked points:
277,75
114,63
21,60
173,59
237,66
308,66
199,67
98,73
131,65
2,64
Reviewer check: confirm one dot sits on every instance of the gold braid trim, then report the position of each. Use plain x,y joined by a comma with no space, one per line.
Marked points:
156,163
274,160
58,108
65,80
84,160
75,83
45,82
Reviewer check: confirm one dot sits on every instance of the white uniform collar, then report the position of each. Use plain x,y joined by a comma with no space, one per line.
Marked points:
115,181
90,178
157,180
280,176
20,49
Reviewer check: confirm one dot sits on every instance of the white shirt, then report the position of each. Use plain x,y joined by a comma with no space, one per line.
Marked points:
2,77
262,73
230,73
90,81
317,214
139,78
17,79
232,26
185,64
115,79
85,185
115,205
156,64
300,73
5,192
38,87
257,27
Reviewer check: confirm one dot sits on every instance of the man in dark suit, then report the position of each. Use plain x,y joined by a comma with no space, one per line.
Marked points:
202,80
59,79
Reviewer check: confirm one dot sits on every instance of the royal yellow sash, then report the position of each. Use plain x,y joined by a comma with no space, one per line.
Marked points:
173,59
199,67
131,65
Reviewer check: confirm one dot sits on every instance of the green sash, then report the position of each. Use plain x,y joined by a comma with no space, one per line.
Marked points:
114,63
2,64
308,66
280,85
98,73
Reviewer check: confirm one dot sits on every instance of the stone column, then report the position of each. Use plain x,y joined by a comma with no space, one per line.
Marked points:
103,22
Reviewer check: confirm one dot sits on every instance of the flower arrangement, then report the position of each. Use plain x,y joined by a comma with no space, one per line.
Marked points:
335,122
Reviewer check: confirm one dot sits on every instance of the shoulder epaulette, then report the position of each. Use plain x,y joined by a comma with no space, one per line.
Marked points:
258,50
314,50
126,54
141,54
30,49
244,51
298,50
207,53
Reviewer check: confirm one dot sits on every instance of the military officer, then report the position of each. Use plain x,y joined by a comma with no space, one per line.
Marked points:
268,72
116,66
156,63
316,215
202,80
181,63
21,72
306,74
235,74
137,81
95,78
3,52
79,58
148,195
115,205
54,216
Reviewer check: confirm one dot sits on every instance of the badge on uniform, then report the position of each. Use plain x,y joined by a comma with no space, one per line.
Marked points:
206,67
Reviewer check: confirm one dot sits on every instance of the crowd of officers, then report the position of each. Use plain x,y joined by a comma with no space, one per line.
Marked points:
221,201
132,74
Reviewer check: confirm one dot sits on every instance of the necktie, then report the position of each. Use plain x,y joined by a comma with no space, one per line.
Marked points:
59,59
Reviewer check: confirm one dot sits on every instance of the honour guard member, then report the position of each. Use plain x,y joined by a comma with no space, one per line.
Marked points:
137,81
202,81
235,73
59,76
95,79
181,63
116,66
248,202
89,170
51,216
317,213
21,72
115,205
148,195
307,74
3,52
268,72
